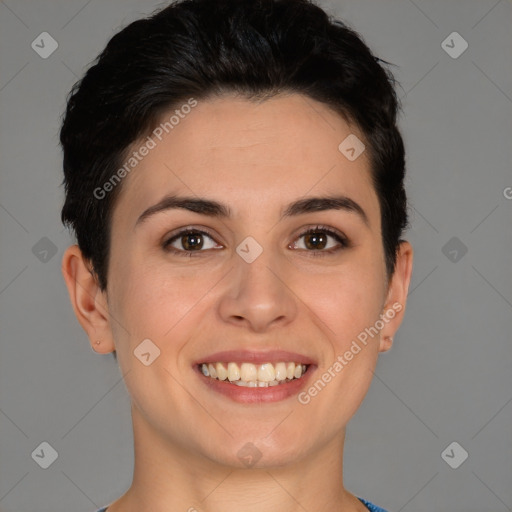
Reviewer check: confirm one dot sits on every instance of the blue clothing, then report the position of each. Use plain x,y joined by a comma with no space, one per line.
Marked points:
370,506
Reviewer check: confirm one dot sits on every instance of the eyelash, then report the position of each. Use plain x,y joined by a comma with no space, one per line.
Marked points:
343,241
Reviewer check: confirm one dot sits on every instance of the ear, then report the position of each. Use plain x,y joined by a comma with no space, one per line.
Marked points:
394,308
89,302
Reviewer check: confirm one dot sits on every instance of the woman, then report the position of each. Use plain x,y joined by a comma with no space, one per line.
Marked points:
234,176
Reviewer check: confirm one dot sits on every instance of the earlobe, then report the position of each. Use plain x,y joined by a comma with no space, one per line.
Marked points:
386,342
88,301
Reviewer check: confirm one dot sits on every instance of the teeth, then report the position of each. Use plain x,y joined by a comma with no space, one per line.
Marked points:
250,384
280,371
222,371
248,372
233,372
254,384
251,375
266,372
212,371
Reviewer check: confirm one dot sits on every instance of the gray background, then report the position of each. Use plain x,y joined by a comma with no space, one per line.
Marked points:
448,376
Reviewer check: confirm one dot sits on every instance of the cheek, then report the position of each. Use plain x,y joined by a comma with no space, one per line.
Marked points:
163,304
154,304
346,301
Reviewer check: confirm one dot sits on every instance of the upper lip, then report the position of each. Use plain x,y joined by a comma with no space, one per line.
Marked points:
256,357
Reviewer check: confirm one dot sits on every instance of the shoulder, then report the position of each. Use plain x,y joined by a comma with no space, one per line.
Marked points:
370,506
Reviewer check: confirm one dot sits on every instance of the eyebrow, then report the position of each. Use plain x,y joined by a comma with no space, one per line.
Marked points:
213,208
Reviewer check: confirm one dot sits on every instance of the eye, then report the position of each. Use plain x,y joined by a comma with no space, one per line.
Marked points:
316,240
191,240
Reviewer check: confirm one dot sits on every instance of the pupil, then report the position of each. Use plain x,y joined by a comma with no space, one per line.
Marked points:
315,238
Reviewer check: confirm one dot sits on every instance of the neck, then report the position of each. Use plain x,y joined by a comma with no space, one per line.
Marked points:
168,477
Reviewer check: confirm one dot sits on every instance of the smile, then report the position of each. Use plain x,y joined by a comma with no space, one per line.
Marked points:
254,375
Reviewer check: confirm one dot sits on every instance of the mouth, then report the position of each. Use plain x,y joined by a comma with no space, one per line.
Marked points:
255,377
252,375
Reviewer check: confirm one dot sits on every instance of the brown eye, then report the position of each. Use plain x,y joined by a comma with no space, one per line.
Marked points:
191,241
316,241
188,241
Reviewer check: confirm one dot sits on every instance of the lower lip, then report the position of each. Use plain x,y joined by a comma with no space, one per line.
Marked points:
247,395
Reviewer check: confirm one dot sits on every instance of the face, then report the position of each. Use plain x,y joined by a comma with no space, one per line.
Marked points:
251,287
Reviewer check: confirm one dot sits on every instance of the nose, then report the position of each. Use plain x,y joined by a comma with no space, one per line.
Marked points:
259,294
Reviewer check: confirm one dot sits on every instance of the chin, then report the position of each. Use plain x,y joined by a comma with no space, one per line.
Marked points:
248,452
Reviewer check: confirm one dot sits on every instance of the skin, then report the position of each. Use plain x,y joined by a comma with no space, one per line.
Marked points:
256,158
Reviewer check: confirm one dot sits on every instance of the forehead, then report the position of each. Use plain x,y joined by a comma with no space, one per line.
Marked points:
253,156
